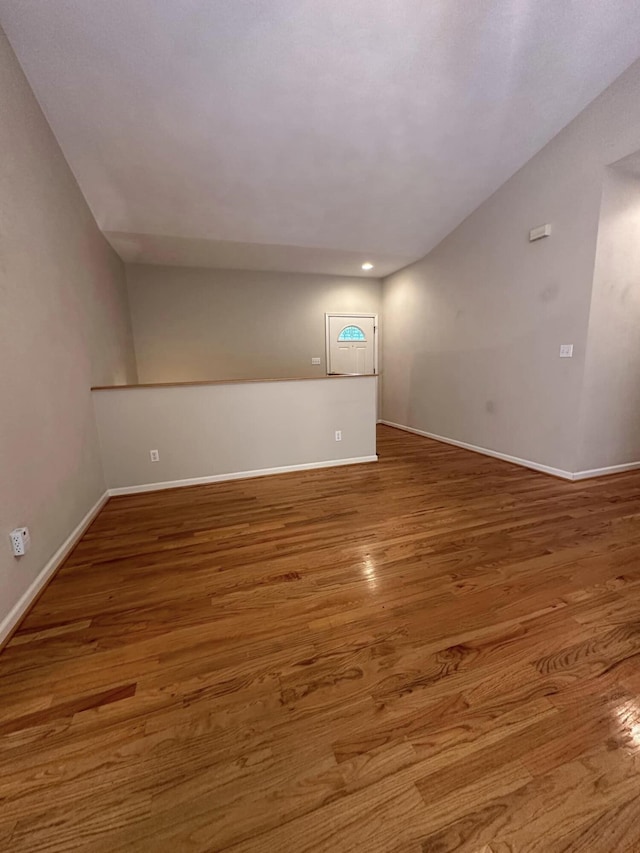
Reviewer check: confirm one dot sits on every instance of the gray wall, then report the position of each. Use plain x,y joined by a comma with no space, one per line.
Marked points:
197,324
204,431
63,327
472,331
610,426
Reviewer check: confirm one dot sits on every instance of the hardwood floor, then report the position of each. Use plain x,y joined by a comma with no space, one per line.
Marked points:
437,652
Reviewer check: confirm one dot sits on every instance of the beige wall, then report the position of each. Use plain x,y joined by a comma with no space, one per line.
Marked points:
472,331
63,326
610,428
191,324
205,431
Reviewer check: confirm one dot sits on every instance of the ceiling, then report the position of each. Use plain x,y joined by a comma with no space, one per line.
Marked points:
307,135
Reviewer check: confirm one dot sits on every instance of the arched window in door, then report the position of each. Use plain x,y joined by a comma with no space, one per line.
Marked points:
351,333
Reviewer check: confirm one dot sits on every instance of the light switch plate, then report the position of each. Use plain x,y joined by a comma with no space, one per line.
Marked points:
539,232
566,350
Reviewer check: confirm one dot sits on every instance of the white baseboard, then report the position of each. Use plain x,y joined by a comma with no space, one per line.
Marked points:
525,463
239,475
603,472
19,609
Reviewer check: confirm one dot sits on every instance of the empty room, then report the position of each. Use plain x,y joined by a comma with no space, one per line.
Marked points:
320,426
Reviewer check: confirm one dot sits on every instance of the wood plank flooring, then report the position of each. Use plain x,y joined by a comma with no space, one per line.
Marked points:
436,652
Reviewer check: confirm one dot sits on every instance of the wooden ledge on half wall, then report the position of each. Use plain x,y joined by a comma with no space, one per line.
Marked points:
234,381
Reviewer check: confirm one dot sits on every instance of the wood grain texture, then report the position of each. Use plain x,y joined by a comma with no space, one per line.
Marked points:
232,381
437,653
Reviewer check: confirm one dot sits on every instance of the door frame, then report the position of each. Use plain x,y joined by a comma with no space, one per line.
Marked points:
376,329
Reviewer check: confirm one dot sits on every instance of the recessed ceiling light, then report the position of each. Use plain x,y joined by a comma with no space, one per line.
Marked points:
367,265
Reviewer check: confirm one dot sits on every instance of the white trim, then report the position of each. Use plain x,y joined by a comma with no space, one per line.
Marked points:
526,463
602,472
19,609
327,337
239,475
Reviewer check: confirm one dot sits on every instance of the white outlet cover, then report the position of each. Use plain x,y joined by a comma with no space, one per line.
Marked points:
338,435
154,455
20,541
315,361
566,350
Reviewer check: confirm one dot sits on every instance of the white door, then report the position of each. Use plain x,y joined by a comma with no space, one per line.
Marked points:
351,343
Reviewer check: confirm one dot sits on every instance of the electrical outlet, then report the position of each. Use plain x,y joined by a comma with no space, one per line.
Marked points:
155,455
315,360
20,541
566,350
338,435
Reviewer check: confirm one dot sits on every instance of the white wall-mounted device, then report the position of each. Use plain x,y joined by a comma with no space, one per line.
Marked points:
566,350
20,541
539,232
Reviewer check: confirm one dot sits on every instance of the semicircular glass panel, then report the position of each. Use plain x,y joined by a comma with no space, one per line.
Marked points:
352,333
